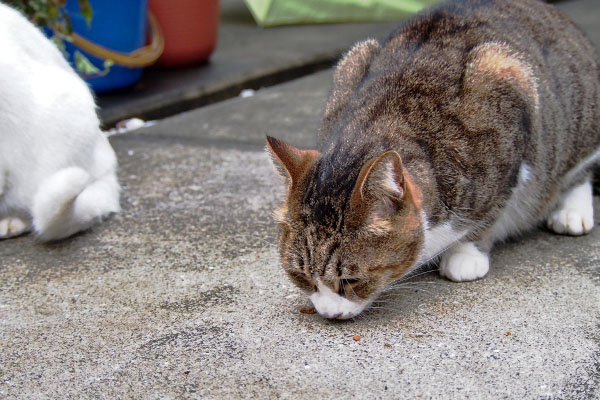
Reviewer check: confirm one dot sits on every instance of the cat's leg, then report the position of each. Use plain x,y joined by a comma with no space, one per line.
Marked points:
71,201
13,226
575,212
464,262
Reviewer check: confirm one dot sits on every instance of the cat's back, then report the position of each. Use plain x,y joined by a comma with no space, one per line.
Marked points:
535,31
421,77
31,61
39,88
464,17
22,41
559,73
438,44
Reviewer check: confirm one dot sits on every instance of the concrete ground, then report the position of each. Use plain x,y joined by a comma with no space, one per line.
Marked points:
182,295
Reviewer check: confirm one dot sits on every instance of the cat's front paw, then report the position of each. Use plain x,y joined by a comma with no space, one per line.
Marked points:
12,226
464,262
575,216
571,222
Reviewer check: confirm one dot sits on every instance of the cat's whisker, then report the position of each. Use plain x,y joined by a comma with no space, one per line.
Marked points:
439,253
377,308
378,303
414,274
413,290
353,292
397,287
412,285
415,283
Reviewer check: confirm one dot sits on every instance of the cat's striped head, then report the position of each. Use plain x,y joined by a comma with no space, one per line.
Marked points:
346,232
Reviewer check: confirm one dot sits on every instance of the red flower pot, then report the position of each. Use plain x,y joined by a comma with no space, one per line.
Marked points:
189,28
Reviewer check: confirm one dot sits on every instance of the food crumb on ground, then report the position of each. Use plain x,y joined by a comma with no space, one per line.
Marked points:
356,337
507,333
308,310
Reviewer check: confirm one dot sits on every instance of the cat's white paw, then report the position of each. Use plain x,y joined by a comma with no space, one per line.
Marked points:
571,222
464,262
12,226
575,216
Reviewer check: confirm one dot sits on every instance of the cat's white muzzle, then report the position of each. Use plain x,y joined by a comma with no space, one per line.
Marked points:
333,306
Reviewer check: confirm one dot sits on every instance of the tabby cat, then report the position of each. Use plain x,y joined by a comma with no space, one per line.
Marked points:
471,123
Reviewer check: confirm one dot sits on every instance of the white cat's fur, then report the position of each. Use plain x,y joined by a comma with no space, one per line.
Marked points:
57,169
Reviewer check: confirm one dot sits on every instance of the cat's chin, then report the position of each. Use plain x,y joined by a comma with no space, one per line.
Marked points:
333,306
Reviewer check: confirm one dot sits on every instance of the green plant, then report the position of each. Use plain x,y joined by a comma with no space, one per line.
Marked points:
51,13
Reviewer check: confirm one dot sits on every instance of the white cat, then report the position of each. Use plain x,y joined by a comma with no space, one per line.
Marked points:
57,169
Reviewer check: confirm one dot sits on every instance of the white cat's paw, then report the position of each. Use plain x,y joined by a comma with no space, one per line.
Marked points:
12,226
576,214
464,262
571,222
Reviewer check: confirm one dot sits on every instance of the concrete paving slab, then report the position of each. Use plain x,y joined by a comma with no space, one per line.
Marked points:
182,295
275,111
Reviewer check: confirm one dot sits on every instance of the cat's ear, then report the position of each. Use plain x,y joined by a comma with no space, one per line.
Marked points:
382,188
379,191
354,65
291,163
380,178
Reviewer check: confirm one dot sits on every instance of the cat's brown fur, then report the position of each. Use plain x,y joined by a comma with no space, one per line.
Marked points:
433,128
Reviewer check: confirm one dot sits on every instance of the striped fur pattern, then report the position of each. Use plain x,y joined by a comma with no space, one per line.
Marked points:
472,122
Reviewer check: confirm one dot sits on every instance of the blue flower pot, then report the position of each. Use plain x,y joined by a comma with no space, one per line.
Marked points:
118,25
